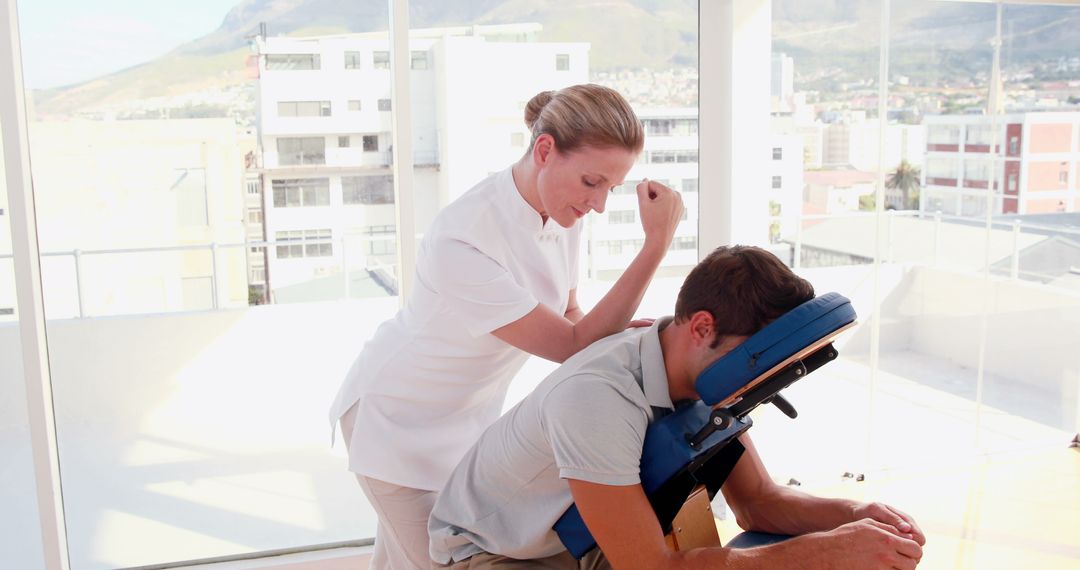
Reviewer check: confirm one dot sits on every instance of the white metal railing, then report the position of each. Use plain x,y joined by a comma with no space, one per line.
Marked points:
384,273
1016,227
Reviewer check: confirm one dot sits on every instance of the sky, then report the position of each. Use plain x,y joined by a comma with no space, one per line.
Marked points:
68,41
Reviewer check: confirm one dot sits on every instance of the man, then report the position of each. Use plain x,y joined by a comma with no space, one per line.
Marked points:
578,439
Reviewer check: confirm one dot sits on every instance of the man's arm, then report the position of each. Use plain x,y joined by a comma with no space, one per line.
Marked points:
626,530
762,505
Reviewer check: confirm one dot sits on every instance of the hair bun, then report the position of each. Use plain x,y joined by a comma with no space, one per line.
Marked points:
536,105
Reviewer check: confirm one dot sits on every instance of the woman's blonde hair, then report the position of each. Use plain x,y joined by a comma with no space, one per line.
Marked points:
584,115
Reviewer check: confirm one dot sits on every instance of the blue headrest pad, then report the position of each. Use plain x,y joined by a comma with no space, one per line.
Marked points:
787,335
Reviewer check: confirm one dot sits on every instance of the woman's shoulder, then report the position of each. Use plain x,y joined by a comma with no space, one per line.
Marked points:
470,216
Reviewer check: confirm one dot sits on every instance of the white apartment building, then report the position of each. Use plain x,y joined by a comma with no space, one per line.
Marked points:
134,217
786,168
782,83
855,143
671,156
324,106
1037,174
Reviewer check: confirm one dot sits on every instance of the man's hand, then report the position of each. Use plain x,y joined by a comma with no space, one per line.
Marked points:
863,544
903,523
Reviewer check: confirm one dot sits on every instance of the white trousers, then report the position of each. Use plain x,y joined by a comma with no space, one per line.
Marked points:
401,539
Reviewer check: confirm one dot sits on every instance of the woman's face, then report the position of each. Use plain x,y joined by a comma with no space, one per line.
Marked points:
573,184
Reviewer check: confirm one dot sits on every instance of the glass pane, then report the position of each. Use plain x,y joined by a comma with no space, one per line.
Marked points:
943,324
823,168
182,200
21,524
463,134
1031,373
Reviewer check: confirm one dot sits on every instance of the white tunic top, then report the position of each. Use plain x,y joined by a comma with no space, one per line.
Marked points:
433,377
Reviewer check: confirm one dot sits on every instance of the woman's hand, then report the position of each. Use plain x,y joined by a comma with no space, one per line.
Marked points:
640,323
661,209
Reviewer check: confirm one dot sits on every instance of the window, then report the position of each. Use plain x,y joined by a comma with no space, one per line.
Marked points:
1,211
621,217
190,191
252,188
1012,182
292,61
946,168
981,135
343,141
303,246
662,156
685,156
419,60
371,143
381,59
296,192
562,62
367,190
1063,177
254,216
303,108
977,170
690,185
943,134
301,150
777,153
323,249
613,247
352,59
661,127
517,139
1014,145
683,243
384,104
258,274
381,246
286,251
7,311
354,105
777,182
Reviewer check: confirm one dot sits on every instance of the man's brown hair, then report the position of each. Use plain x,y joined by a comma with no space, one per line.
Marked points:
743,287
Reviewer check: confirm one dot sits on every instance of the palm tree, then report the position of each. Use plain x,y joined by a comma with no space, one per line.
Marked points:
906,179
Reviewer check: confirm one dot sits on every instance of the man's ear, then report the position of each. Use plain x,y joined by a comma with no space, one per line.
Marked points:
702,328
543,148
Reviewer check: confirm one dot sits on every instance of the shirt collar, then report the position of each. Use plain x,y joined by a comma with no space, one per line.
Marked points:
520,212
654,375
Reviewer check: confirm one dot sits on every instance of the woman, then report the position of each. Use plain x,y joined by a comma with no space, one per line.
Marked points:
496,279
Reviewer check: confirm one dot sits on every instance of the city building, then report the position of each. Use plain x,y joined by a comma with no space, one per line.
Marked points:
855,142
782,82
836,191
671,156
1036,174
324,117
135,217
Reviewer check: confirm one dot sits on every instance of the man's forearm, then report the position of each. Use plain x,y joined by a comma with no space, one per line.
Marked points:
792,512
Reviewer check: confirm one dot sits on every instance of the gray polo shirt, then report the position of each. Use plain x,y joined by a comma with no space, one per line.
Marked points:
585,421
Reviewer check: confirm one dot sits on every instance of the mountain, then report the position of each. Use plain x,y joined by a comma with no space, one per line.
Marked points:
928,38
